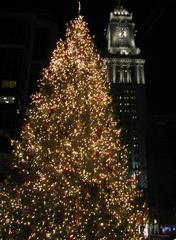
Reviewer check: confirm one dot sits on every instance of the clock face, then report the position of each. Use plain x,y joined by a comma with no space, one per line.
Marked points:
121,32
119,36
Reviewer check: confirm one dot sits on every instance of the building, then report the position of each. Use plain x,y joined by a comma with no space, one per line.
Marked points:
126,73
26,41
161,155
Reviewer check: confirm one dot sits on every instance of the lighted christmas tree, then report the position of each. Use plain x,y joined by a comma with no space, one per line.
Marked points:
74,177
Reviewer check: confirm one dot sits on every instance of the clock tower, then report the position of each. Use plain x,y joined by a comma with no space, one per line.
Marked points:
126,73
120,32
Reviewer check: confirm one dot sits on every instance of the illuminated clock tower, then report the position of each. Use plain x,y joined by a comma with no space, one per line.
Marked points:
126,74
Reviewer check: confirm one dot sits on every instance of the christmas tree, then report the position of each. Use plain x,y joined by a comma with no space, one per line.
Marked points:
74,181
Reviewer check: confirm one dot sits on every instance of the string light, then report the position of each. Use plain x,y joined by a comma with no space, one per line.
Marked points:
74,177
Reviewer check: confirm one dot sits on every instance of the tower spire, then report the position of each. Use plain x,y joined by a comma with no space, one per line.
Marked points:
119,8
119,3
79,7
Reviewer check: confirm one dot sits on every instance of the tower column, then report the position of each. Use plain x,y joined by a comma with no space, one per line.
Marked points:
137,74
128,75
114,73
121,74
142,74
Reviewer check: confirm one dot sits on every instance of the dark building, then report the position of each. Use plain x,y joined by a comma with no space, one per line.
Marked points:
26,41
161,155
126,73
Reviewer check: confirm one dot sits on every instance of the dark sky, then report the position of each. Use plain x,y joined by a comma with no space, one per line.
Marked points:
156,29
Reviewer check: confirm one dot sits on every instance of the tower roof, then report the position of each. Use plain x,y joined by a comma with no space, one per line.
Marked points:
119,2
120,9
120,33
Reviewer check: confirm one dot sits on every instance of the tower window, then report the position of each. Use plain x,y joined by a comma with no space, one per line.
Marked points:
8,84
7,99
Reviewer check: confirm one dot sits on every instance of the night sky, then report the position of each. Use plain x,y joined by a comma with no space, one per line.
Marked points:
155,37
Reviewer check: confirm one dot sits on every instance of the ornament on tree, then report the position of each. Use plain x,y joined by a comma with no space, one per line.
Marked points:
25,127
101,99
140,219
110,154
88,192
52,110
110,168
99,132
78,216
91,192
